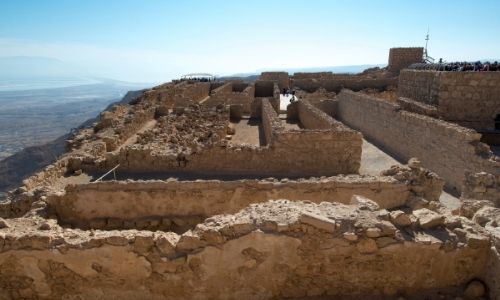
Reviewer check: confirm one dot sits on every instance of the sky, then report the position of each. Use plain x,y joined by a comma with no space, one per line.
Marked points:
157,40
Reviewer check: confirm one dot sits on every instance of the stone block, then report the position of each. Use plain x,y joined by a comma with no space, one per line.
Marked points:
428,218
319,222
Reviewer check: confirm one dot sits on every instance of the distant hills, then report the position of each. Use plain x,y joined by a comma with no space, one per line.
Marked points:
29,73
352,69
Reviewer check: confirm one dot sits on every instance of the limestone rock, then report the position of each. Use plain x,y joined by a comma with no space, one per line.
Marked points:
487,216
166,243
383,214
189,242
117,240
373,232
428,219
477,241
317,221
350,236
469,207
399,218
3,223
387,228
364,203
452,222
143,243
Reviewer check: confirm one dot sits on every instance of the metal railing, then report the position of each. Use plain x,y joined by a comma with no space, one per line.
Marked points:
107,173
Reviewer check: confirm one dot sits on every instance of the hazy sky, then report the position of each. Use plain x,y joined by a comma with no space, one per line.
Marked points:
150,40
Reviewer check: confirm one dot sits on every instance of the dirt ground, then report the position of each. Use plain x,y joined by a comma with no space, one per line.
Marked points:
248,131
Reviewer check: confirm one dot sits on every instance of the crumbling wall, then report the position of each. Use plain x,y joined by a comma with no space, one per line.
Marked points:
400,58
162,94
47,176
125,126
233,93
193,91
135,201
448,149
417,107
336,150
168,95
482,186
470,99
336,153
278,249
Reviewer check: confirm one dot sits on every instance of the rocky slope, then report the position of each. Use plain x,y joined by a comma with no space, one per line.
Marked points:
32,159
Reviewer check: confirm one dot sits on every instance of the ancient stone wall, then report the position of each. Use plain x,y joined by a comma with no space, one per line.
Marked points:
233,93
168,95
278,249
471,99
270,122
313,118
49,175
312,75
190,93
239,87
215,85
417,107
419,86
400,58
137,201
448,149
194,91
482,186
319,150
327,106
337,150
226,88
281,78
128,126
337,84
264,89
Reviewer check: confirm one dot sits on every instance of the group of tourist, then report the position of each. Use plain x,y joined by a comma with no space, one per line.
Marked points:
287,92
200,79
458,66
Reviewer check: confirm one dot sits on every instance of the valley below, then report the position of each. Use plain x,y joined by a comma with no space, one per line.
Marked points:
35,117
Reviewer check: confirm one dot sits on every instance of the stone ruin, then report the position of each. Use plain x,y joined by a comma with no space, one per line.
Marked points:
210,190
